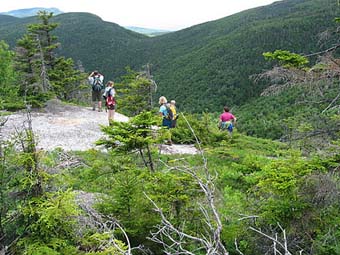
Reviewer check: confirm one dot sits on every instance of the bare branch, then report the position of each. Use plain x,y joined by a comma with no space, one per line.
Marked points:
245,217
333,101
275,240
237,249
107,224
331,49
174,239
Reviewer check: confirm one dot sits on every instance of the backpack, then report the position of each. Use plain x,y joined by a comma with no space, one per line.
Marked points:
228,125
174,112
109,100
97,84
169,115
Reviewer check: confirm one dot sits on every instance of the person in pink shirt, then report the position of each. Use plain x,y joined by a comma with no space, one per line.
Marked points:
227,120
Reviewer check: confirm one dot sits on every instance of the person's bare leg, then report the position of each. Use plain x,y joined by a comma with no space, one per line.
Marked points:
111,116
99,106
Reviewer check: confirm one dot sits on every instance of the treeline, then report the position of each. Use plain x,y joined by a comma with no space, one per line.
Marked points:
239,195
205,66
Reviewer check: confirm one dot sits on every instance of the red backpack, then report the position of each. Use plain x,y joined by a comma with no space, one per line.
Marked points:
109,100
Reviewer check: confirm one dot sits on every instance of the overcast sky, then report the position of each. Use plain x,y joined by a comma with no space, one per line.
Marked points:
158,14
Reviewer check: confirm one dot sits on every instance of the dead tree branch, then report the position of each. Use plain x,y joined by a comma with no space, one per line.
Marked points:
106,224
331,49
275,240
175,240
330,105
237,249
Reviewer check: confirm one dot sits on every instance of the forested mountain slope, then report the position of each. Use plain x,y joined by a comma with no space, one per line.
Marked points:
87,38
99,45
212,62
206,65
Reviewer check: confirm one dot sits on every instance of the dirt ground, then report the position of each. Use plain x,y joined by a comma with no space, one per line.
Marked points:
71,128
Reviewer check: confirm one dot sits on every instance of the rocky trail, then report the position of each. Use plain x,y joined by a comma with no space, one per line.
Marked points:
72,128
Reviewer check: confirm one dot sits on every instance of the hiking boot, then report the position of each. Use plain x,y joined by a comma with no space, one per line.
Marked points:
100,110
93,108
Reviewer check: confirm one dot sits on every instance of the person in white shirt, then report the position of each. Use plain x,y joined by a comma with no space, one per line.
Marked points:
110,102
96,80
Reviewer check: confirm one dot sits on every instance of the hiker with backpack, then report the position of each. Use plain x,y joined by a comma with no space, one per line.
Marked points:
166,114
227,120
174,113
96,80
110,102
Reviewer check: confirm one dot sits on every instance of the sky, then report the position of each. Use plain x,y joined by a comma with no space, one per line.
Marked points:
156,14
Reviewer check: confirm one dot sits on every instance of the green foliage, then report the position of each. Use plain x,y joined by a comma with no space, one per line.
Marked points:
31,222
51,221
174,193
65,79
293,115
43,75
137,134
103,240
278,185
43,33
202,67
128,136
286,58
258,182
255,177
8,87
204,127
127,203
134,93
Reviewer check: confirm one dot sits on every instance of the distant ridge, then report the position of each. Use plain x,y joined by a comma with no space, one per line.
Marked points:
148,31
207,65
22,13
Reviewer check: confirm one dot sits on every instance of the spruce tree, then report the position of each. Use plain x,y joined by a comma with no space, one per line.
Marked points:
135,92
43,33
44,73
8,88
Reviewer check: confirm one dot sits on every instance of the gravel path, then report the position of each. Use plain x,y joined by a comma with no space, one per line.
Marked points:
71,128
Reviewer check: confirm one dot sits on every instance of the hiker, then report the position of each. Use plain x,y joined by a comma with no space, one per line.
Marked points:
227,120
110,102
166,114
96,80
174,113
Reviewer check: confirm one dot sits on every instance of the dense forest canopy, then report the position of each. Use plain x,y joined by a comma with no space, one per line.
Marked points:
269,187
207,65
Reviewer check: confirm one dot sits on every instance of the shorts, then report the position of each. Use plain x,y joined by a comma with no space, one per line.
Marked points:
227,125
111,107
166,123
96,96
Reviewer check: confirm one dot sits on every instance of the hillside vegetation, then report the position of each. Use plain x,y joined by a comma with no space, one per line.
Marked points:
206,65
239,194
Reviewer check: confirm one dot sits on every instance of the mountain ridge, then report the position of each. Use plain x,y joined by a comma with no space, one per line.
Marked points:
148,31
206,65
28,12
